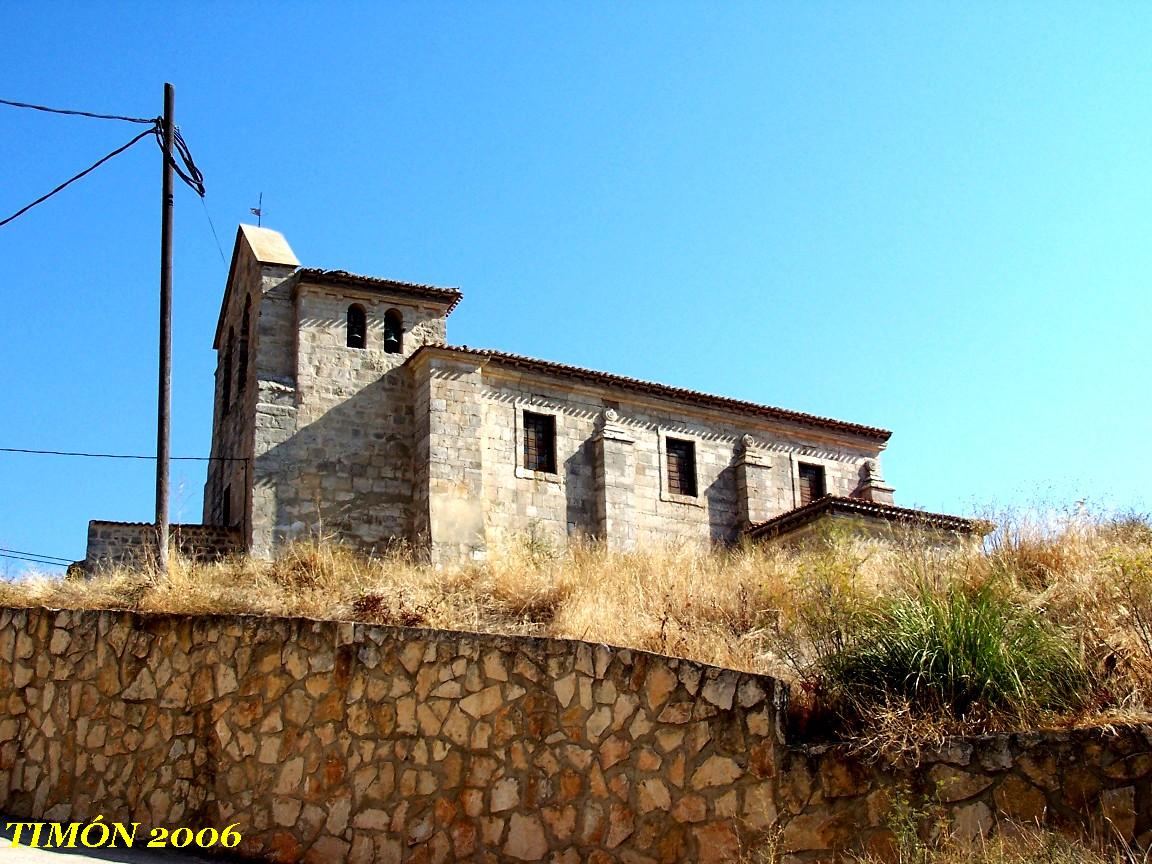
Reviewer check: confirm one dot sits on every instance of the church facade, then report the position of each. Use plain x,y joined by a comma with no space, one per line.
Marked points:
341,408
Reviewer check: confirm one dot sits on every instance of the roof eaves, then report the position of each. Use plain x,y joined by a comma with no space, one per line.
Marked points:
449,295
666,391
793,519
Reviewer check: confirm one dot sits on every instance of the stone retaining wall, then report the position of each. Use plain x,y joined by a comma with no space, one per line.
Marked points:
332,742
337,742
1093,781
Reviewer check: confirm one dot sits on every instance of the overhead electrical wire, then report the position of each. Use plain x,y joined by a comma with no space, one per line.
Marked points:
20,554
120,455
185,168
188,172
69,182
71,112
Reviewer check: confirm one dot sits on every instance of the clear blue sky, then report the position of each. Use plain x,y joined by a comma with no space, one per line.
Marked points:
932,217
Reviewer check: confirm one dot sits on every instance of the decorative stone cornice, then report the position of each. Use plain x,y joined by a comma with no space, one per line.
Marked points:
609,427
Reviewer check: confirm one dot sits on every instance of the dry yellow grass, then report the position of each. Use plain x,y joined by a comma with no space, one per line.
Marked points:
1021,844
761,610
1016,844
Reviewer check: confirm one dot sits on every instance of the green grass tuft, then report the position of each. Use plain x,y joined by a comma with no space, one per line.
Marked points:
955,650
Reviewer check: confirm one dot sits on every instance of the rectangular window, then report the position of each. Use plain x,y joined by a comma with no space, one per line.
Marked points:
540,442
681,456
811,483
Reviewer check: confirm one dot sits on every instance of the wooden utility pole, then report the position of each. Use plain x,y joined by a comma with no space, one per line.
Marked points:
164,398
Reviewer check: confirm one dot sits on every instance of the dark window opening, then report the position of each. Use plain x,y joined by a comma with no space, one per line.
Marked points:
357,326
681,459
811,483
245,326
226,506
393,332
226,392
539,442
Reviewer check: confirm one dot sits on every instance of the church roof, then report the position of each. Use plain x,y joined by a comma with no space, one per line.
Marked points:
451,296
651,388
836,504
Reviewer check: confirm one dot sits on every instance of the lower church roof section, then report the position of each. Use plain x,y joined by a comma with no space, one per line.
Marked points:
835,505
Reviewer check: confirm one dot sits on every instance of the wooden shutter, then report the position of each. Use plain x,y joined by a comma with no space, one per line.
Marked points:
811,483
681,461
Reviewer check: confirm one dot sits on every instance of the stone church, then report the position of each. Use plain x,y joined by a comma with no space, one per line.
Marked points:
341,408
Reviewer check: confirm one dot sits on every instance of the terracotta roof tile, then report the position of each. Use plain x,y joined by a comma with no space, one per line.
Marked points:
793,519
664,390
342,277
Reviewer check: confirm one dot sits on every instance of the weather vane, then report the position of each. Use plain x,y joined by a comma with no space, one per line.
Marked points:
258,210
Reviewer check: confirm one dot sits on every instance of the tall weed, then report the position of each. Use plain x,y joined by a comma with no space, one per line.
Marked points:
954,650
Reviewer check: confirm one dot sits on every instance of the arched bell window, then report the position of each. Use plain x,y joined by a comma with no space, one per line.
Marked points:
357,326
393,332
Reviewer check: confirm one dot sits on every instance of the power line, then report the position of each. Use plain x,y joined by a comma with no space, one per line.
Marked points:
119,455
31,560
73,113
66,183
48,559
188,172
219,248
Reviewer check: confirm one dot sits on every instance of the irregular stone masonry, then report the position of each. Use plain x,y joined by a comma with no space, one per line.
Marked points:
337,742
333,742
1096,781
117,543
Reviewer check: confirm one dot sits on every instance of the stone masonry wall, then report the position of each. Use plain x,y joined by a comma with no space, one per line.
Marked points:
332,742
452,494
263,288
327,429
336,742
566,502
346,467
1083,781
120,543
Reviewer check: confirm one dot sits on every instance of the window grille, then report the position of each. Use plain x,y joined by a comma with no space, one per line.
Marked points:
539,442
681,461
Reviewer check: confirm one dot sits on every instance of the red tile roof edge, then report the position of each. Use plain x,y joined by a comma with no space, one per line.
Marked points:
664,390
799,516
153,525
343,277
